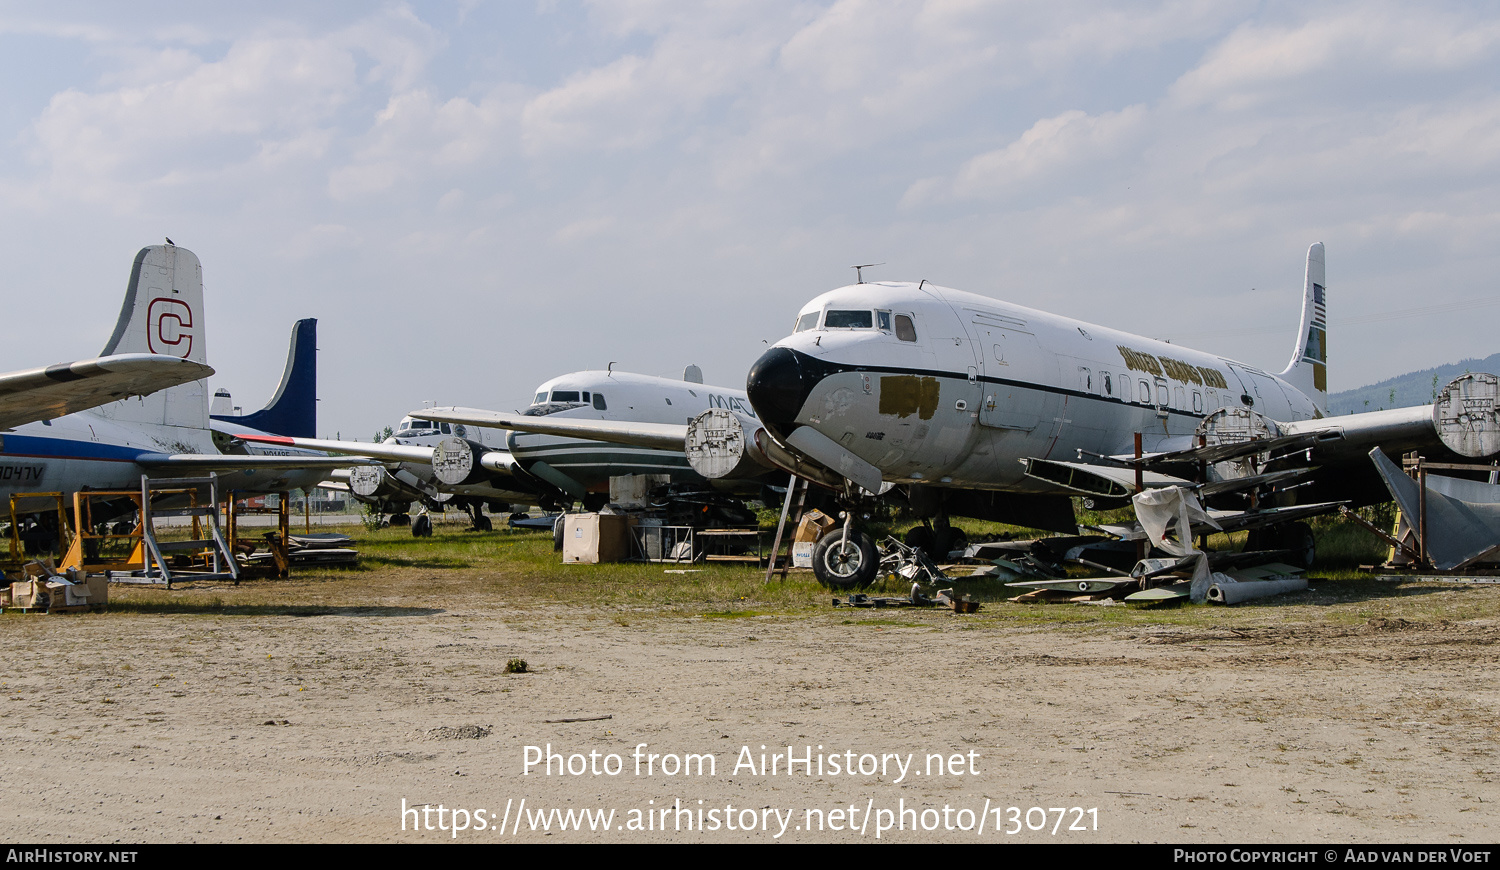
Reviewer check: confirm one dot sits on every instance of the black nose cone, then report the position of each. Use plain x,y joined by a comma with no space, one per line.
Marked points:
778,387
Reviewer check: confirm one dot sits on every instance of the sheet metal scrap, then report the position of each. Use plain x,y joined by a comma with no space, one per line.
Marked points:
908,563
1463,516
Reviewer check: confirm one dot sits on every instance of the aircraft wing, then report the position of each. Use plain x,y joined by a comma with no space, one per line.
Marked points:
44,393
660,436
1351,436
202,462
389,452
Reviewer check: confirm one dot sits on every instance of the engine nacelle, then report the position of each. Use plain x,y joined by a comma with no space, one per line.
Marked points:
376,483
460,462
1467,415
719,447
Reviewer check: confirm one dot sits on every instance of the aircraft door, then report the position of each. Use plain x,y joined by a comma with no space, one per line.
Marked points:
1012,370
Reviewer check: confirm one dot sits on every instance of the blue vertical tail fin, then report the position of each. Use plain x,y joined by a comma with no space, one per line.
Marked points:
293,411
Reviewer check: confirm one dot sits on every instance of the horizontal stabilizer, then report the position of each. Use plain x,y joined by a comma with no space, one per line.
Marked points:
47,393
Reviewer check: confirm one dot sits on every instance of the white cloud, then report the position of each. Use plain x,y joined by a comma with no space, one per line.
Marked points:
1256,62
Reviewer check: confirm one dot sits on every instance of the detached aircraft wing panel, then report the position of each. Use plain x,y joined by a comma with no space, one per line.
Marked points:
54,391
658,436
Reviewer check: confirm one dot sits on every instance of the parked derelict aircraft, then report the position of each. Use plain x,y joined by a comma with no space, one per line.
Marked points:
165,434
978,406
558,459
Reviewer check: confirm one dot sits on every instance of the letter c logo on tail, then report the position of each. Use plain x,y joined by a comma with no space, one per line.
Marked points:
169,327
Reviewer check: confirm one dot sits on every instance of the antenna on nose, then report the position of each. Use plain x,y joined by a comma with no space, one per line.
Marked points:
859,275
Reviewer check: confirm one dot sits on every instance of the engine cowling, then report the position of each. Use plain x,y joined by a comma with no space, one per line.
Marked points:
719,446
1467,415
460,462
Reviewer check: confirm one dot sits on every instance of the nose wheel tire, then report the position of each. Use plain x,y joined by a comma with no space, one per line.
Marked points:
845,564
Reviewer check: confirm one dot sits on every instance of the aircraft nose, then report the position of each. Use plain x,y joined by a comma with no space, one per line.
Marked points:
777,388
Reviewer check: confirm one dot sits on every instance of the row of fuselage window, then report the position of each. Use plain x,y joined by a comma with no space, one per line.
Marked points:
1173,397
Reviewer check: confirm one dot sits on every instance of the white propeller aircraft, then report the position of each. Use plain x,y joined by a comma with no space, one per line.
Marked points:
164,434
981,407
580,430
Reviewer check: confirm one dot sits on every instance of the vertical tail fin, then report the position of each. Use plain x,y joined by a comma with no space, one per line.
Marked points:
1308,370
293,411
163,314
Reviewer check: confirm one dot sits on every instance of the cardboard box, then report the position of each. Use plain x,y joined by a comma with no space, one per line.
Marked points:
802,554
592,538
815,524
24,593
92,592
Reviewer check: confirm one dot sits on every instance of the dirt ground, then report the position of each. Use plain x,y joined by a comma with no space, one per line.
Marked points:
209,726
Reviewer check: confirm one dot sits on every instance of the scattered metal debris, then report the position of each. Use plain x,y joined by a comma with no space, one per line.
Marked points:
462,732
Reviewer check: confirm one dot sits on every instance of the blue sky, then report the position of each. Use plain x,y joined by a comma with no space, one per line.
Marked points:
476,197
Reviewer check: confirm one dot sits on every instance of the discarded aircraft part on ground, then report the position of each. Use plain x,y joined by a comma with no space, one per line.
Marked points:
1467,415
1458,520
1082,586
1160,594
1227,590
909,563
959,602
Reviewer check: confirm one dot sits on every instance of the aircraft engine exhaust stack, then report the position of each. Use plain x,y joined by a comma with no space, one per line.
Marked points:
1467,415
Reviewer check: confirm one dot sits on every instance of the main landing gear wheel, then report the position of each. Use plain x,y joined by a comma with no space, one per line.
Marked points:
1298,537
845,564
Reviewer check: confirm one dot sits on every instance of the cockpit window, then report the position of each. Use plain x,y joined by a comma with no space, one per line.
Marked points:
848,320
447,429
806,322
417,424
904,328
599,403
541,398
883,320
564,395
